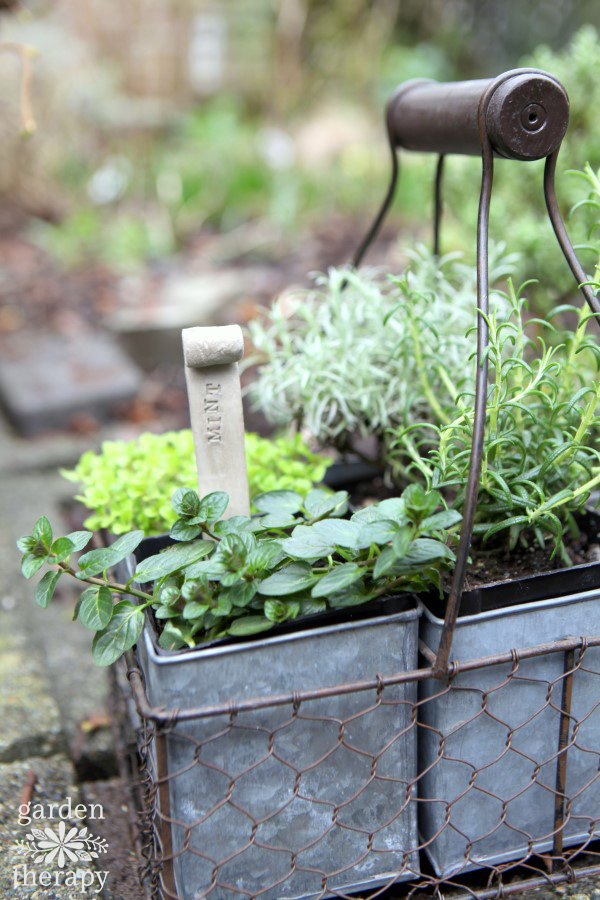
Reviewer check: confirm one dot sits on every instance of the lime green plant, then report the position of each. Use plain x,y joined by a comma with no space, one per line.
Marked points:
128,484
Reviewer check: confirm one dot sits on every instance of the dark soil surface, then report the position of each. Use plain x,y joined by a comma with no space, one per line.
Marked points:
495,567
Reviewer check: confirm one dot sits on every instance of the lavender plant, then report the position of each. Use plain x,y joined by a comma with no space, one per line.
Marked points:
361,352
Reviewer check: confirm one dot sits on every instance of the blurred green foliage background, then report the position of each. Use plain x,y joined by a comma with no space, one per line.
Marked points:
165,120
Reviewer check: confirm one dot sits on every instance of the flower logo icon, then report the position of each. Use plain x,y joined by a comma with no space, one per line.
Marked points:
62,847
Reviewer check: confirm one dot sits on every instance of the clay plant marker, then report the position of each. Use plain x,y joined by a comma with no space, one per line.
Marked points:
211,357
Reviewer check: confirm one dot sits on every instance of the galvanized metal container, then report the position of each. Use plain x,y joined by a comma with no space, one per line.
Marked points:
494,748
271,765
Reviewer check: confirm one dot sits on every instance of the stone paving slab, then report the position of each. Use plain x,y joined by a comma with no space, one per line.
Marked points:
55,782
30,718
46,381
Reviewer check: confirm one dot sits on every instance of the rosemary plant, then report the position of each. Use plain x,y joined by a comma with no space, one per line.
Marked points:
540,457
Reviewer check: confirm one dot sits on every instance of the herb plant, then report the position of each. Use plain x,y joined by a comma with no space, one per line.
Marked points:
540,459
361,353
242,575
128,484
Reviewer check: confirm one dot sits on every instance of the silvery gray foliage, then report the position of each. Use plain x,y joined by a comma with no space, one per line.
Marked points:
361,352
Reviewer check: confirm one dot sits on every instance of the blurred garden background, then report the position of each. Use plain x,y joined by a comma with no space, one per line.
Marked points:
165,163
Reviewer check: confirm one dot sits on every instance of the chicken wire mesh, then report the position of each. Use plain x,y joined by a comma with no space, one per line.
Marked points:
479,783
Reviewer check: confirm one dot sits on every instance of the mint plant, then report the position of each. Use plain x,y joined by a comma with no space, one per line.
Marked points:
128,484
541,460
242,575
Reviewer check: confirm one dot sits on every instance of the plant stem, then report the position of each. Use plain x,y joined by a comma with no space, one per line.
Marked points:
427,390
111,585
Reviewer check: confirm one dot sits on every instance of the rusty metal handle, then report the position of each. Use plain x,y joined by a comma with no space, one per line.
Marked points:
526,118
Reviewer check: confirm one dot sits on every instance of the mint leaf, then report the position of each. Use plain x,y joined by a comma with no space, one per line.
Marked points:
120,635
212,507
185,502
96,608
306,543
96,561
249,625
289,580
171,560
321,503
42,532
79,539
62,548
45,589
279,503
31,564
339,578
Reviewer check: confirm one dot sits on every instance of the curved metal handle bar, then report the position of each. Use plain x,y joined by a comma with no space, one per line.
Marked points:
562,236
440,667
437,203
374,229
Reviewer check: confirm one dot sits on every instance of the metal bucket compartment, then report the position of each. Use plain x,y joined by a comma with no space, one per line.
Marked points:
490,746
280,796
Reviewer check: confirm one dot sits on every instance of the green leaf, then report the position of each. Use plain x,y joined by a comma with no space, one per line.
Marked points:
384,563
321,503
172,637
306,543
402,541
166,612
289,580
242,594
393,508
212,507
339,532
233,525
194,610
274,521
79,539
45,589
171,560
419,503
507,523
312,606
425,550
279,503
62,549
379,531
265,556
183,531
120,635
26,543
31,564
354,595
96,608
96,561
275,610
42,532
185,502
441,520
249,625
337,579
